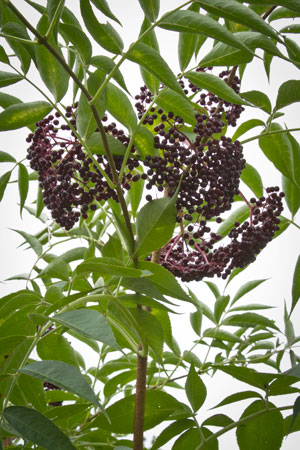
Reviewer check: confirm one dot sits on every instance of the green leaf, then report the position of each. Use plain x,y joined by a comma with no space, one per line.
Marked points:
159,405
214,288
33,242
57,268
191,439
48,345
288,93
252,179
220,305
171,431
3,56
8,100
23,114
109,266
196,321
155,224
35,427
239,215
278,150
23,184
221,335
187,44
103,6
296,285
282,13
293,28
239,396
249,376
86,122
296,411
246,126
163,280
79,39
8,78
104,34
150,8
150,39
251,307
259,99
292,195
249,320
268,429
62,375
170,101
88,323
192,22
247,287
218,420
96,145
120,107
144,142
51,71
151,329
4,179
16,300
107,65
195,389
216,85
150,59
293,50
238,13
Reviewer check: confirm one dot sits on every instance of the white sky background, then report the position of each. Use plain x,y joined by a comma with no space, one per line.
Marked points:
276,262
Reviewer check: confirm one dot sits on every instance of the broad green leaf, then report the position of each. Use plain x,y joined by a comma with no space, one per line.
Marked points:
159,406
218,420
187,43
268,429
246,126
191,439
9,343
288,93
170,101
195,389
86,122
23,52
155,224
62,375
48,345
249,376
150,59
88,323
131,300
120,107
292,195
278,150
247,287
293,28
171,431
239,396
296,411
144,142
33,390
35,427
296,285
203,306
110,266
163,280
33,242
16,300
18,320
104,34
96,145
238,13
107,65
282,13
214,288
223,54
216,85
150,8
112,385
291,4
192,22
79,40
251,307
293,50
8,100
51,71
8,78
259,99
196,321
220,305
252,179
3,56
150,39
221,335
23,184
57,268
287,425
151,329
4,179
23,114
103,6
249,320
239,215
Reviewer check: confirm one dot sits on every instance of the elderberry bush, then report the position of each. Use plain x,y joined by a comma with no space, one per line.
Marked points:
203,163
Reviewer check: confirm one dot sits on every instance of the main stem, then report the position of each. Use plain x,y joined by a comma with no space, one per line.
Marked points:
140,397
